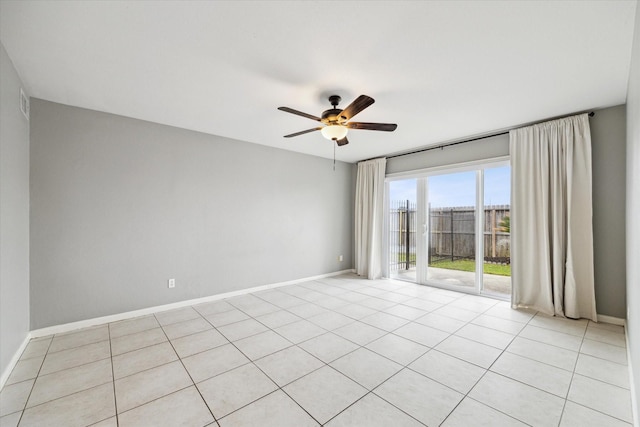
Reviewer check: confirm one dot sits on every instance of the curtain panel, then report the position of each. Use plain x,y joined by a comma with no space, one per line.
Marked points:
551,218
368,217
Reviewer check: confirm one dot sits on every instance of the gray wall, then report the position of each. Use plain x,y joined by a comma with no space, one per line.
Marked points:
119,205
633,212
486,148
608,137
608,149
14,214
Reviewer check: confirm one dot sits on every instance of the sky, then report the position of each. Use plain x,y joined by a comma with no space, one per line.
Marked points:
458,189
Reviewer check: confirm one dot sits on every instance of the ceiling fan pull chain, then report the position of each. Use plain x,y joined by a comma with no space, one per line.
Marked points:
334,156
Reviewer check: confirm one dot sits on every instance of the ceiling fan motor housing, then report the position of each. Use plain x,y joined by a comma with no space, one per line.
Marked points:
332,116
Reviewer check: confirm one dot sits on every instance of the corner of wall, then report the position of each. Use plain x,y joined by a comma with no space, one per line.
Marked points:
632,214
14,218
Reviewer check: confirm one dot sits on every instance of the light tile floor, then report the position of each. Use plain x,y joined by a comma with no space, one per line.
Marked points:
337,352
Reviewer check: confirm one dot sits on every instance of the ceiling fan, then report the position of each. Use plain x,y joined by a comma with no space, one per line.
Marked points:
336,121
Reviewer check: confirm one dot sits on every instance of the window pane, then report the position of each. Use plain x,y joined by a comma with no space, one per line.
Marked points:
452,229
497,231
402,229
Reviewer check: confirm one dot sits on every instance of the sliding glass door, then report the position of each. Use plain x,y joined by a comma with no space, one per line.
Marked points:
496,277
451,236
402,224
450,229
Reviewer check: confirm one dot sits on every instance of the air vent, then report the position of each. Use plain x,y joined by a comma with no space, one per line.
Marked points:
24,104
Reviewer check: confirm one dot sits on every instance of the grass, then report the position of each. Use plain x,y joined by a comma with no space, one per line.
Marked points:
470,265
402,257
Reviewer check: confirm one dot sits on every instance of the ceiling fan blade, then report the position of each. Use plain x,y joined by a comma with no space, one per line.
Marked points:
387,127
341,142
299,113
361,102
302,132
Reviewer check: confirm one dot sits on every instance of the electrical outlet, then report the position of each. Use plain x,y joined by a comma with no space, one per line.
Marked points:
172,283
340,258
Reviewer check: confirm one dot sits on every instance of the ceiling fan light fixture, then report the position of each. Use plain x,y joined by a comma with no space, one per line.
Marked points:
337,122
334,132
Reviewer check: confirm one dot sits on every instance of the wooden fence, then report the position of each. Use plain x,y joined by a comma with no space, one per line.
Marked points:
451,234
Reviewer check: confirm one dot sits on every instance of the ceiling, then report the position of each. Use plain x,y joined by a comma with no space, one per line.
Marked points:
441,70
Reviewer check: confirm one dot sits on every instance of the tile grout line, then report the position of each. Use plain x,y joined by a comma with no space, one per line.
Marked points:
573,374
565,399
396,373
193,383
253,363
487,370
62,397
24,408
47,352
113,379
379,397
39,370
392,404
279,388
152,400
478,314
578,352
135,319
405,366
359,346
502,352
325,364
75,366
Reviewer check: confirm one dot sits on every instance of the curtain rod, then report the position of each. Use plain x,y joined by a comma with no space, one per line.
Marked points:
449,144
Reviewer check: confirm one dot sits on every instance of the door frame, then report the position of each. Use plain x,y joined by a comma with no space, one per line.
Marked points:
422,245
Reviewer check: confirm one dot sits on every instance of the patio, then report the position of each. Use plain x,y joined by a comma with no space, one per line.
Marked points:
491,283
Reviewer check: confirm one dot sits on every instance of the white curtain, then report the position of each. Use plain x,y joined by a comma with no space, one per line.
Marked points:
368,217
551,212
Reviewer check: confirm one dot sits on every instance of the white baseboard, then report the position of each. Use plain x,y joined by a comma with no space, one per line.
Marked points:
67,327
136,313
632,388
14,360
612,320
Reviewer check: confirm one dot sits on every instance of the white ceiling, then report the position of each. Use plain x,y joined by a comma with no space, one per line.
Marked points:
441,70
